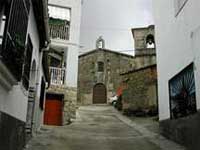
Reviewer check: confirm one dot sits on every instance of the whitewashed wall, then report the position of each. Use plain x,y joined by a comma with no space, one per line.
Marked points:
37,57
72,45
177,39
15,101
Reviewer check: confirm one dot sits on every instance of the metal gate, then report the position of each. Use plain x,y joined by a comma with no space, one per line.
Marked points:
99,94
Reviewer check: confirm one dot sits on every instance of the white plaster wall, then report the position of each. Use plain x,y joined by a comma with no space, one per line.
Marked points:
14,102
73,42
39,113
37,56
175,46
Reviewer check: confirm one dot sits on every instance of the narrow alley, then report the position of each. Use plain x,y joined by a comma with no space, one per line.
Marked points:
102,128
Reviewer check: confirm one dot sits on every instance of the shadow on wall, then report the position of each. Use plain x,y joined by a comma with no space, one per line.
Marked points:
12,133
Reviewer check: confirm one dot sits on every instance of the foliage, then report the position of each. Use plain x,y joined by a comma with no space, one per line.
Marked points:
53,21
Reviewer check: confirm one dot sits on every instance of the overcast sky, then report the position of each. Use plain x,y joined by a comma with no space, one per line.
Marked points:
113,19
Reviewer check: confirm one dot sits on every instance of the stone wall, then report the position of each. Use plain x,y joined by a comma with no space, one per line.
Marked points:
70,101
114,64
140,35
141,91
89,75
12,133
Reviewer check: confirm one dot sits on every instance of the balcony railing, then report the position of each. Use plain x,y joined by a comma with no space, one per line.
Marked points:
57,75
59,31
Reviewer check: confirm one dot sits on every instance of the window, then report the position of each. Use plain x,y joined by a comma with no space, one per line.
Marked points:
2,27
182,93
179,4
56,58
42,93
59,22
13,44
100,67
55,62
27,64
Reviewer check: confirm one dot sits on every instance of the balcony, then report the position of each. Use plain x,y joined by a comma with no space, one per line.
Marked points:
59,30
57,76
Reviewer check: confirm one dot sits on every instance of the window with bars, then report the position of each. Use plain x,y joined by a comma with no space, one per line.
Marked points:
42,93
14,37
182,93
179,4
27,64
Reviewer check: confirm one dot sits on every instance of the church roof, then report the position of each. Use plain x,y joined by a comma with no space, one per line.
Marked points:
105,50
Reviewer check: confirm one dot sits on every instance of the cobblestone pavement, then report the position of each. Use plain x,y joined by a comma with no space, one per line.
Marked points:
101,128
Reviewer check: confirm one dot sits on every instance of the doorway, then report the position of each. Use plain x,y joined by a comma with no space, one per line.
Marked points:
99,94
53,114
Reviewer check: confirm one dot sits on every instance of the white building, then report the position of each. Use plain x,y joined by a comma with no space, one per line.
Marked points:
23,69
178,61
64,22
69,10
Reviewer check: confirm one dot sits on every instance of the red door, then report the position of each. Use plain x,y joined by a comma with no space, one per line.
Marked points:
53,112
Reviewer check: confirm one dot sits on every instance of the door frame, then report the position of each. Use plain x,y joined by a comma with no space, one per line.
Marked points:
59,97
94,95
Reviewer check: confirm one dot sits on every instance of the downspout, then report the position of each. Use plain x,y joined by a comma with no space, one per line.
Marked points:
46,20
46,26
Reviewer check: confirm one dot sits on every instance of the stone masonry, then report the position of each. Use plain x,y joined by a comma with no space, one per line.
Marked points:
114,63
141,90
70,101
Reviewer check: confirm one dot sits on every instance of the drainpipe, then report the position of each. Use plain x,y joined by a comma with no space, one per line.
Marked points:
46,19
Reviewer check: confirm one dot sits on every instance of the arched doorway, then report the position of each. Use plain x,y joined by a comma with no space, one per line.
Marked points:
99,94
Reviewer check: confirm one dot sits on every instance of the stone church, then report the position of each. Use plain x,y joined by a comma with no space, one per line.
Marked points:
100,70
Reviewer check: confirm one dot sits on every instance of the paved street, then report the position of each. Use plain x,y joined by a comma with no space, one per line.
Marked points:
100,128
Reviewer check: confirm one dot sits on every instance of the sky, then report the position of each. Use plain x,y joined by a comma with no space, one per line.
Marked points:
113,20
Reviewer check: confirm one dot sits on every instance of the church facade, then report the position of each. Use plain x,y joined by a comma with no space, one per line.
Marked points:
99,70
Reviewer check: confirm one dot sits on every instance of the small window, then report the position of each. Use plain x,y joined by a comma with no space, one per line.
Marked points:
2,28
179,4
54,62
100,67
42,93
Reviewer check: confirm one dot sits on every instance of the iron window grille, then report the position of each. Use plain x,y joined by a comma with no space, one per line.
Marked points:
27,64
14,38
182,93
